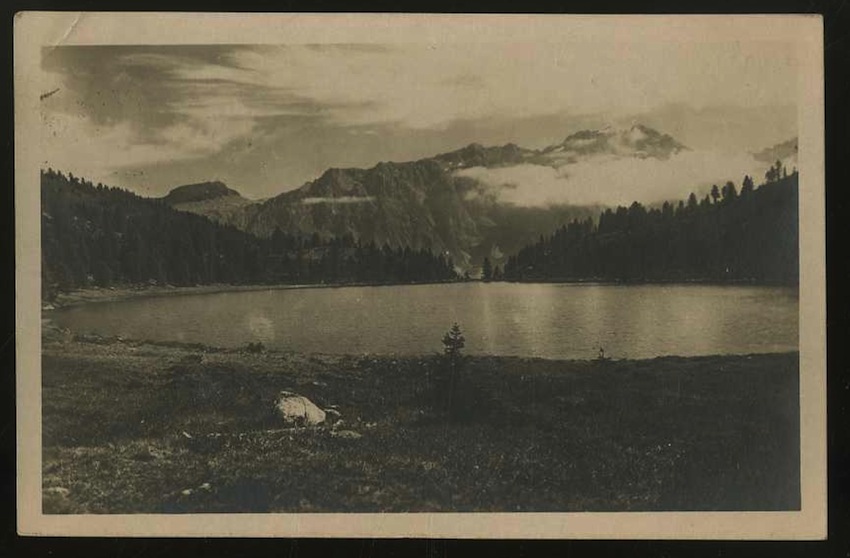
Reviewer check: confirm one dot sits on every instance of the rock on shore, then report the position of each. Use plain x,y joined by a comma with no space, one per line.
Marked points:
297,409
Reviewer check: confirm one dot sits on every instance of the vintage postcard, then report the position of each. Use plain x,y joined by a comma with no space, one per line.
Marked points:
464,276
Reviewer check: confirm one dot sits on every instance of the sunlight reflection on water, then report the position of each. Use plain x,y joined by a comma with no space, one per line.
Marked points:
542,320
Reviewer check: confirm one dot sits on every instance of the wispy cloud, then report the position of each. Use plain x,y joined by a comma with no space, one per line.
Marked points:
124,109
431,85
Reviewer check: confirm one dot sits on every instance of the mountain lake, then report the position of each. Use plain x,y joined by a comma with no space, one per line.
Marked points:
554,321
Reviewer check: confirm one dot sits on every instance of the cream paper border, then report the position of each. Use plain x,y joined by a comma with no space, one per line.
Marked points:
36,29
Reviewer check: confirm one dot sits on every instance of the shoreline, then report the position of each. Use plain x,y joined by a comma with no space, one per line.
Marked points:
53,335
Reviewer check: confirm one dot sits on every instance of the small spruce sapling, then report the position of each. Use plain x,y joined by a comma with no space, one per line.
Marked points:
453,343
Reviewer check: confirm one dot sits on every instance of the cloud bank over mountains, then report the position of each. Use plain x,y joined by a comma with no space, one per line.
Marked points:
615,180
609,166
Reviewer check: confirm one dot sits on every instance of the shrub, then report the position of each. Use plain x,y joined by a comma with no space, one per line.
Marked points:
255,347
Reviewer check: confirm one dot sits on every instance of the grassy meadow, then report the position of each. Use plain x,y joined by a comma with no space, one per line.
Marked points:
139,427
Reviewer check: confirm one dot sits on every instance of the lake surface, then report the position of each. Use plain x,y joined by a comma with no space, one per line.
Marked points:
539,320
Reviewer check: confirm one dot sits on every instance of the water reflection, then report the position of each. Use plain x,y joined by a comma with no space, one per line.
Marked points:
543,320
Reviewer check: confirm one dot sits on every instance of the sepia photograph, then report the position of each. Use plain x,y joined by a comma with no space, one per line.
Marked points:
527,274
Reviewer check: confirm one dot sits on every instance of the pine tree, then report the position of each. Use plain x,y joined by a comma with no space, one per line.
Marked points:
747,187
453,343
497,273
487,270
753,241
729,193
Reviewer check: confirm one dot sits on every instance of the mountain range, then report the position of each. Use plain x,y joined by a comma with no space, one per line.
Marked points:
429,203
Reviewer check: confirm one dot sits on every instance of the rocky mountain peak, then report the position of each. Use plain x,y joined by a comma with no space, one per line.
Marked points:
638,140
477,155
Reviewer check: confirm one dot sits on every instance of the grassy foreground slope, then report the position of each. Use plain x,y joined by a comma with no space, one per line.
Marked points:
139,427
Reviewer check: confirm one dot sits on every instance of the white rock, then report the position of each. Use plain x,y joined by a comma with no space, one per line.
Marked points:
297,409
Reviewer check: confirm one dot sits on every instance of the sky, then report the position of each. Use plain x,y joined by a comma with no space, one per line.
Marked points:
265,119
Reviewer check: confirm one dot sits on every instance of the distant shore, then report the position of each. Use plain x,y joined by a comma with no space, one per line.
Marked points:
143,427
125,292
660,281
115,294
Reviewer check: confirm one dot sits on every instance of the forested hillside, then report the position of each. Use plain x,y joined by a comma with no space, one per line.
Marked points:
749,236
102,236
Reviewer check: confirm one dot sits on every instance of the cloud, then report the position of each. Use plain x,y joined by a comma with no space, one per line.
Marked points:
118,108
99,152
75,143
345,200
121,109
607,180
431,85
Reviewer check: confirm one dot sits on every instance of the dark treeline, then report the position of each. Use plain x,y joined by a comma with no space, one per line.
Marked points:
728,236
93,235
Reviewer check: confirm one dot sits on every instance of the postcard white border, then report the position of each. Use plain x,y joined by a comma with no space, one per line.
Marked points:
36,29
